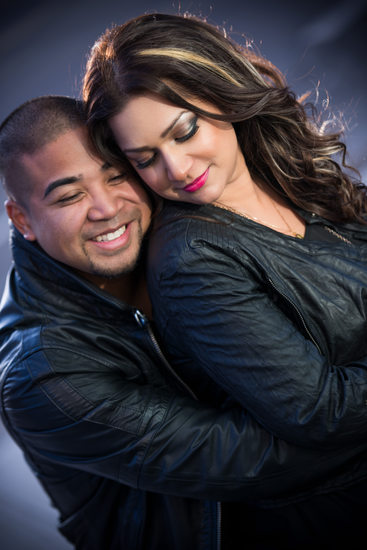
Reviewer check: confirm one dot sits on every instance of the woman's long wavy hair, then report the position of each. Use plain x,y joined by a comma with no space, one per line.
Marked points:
182,58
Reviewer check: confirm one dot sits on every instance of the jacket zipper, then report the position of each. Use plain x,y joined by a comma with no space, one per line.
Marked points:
219,525
300,316
144,323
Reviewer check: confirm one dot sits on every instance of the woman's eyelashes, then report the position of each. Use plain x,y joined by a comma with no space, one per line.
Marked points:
189,132
193,128
141,164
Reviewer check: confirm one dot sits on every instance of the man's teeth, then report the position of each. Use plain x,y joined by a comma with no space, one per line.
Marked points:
111,236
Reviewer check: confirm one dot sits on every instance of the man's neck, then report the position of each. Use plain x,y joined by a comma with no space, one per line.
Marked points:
130,289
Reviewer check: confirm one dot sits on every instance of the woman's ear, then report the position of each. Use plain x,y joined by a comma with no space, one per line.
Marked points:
18,215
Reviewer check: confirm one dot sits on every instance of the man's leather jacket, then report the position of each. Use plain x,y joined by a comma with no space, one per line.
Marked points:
125,452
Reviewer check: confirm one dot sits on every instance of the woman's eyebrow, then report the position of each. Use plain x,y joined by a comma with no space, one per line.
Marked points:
163,135
171,126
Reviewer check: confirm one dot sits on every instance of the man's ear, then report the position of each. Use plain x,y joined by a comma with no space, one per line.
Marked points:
18,215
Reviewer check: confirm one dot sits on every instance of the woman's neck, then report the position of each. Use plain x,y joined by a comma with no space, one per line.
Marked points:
259,202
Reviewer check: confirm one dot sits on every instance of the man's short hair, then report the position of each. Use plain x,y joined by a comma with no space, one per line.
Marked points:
27,129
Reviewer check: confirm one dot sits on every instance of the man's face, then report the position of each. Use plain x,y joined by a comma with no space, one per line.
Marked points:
81,212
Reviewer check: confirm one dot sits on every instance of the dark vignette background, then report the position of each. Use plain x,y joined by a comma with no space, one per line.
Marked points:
320,45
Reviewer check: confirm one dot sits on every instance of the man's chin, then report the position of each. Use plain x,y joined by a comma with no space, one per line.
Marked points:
114,273
99,274
112,276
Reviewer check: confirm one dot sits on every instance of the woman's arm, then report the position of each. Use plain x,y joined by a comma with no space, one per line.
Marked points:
218,324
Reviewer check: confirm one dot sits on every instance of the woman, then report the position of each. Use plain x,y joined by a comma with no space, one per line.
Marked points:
258,274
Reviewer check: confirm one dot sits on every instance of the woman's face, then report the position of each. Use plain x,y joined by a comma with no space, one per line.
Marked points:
180,156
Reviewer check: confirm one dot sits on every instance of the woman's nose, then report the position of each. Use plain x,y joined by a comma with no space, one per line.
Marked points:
177,166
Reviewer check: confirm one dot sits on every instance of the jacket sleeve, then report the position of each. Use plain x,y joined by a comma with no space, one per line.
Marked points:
151,439
218,324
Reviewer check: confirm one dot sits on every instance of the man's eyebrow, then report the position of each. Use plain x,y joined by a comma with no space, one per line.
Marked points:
58,183
163,135
68,180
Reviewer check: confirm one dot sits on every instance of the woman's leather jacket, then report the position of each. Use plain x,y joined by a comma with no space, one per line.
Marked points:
275,323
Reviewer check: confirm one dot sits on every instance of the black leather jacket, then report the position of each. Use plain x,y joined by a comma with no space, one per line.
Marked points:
129,459
275,323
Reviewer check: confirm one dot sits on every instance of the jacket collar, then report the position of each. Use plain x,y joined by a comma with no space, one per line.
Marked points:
172,210
48,285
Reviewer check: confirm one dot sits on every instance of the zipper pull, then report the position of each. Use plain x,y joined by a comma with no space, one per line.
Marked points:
140,318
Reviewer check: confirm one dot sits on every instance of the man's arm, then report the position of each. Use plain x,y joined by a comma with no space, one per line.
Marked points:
152,439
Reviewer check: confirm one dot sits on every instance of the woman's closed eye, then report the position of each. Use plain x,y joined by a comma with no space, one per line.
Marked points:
144,163
193,128
180,136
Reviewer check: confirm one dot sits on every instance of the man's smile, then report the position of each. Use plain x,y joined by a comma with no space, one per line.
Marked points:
105,237
114,239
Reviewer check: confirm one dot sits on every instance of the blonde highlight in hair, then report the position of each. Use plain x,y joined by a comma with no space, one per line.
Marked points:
190,57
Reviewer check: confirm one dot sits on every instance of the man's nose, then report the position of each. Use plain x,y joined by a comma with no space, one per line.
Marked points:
104,204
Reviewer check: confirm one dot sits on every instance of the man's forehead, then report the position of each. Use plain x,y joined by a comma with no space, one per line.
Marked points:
60,147
69,155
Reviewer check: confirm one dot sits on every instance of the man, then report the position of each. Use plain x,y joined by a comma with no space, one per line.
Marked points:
127,455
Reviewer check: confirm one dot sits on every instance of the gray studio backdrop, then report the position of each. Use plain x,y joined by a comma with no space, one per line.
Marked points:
43,47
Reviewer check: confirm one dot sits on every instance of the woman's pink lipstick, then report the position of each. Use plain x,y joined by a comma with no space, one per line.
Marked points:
197,183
